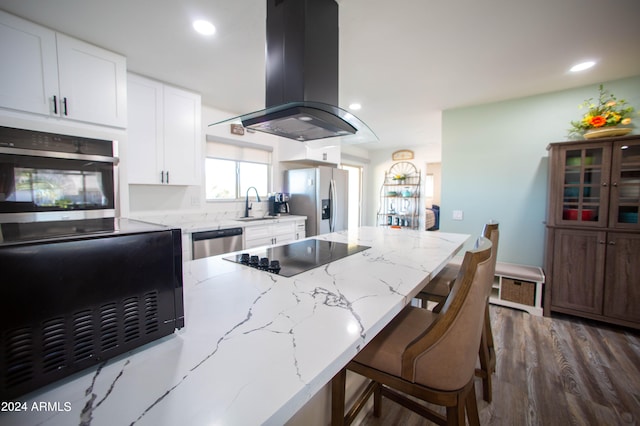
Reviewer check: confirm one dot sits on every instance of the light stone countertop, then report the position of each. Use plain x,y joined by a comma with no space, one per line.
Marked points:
205,222
256,346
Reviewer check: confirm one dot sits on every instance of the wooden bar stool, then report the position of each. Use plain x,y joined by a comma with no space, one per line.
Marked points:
437,290
430,356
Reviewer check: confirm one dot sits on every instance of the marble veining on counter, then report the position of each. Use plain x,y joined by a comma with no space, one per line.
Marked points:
256,346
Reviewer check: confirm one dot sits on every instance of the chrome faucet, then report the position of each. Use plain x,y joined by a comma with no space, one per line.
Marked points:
246,202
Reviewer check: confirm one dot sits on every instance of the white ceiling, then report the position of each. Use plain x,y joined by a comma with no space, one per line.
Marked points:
404,60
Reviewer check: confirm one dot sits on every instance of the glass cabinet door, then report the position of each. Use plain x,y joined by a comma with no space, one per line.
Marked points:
585,187
625,185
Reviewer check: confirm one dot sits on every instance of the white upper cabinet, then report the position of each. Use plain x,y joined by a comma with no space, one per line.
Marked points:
29,72
93,83
311,152
182,136
145,133
164,134
51,74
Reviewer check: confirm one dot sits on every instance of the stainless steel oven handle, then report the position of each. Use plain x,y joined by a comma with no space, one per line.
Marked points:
63,155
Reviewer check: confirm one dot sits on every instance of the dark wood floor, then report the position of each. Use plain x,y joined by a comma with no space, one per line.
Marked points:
553,371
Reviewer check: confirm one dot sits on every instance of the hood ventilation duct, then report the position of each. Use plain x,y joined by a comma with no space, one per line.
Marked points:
302,76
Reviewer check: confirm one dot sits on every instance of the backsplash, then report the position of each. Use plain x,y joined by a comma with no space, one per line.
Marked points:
214,212
182,204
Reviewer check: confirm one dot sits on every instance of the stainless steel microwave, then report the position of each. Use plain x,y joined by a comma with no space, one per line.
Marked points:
48,177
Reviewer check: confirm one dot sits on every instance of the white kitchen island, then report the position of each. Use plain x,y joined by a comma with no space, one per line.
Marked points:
256,346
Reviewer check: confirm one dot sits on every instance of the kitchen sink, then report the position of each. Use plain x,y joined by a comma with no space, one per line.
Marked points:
253,219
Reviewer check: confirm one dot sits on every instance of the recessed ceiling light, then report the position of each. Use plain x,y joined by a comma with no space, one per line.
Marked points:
204,27
355,106
582,66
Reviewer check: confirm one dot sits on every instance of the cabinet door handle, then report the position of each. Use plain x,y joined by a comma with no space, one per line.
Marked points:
604,183
64,102
614,184
55,104
167,176
162,176
602,242
612,243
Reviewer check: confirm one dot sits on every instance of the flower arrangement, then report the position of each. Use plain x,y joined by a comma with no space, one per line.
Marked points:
607,111
399,177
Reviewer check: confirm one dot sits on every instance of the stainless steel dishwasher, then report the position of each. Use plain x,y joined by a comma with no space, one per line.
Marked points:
219,241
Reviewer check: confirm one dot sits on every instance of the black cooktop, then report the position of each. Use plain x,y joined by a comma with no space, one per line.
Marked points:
295,258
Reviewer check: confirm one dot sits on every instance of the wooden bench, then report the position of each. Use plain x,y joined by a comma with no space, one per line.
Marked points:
516,286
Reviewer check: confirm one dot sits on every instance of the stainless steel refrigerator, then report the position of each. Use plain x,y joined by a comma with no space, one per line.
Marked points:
320,193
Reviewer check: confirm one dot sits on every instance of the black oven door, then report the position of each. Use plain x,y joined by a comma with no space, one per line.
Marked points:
45,188
47,177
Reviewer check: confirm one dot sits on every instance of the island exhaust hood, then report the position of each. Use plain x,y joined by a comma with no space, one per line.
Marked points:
302,76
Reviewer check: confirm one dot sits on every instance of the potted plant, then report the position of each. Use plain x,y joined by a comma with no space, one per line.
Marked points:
399,178
606,116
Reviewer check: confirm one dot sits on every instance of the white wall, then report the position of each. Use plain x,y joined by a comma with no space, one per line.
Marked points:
494,164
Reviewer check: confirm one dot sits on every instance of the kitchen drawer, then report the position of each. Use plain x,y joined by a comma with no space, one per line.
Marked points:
284,228
257,232
273,233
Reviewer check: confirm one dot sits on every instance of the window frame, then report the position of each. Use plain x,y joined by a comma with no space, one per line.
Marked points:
238,194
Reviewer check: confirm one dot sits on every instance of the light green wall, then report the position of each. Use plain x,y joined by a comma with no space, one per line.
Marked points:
494,164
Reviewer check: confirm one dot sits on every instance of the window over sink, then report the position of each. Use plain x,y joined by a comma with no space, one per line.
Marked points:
230,169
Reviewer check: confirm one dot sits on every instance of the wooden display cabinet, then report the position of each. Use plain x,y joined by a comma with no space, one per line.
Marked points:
592,257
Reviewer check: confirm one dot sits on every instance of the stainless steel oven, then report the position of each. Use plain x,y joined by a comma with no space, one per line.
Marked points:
49,177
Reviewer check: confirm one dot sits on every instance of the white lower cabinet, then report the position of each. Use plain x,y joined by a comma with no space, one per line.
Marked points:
164,135
53,75
273,233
